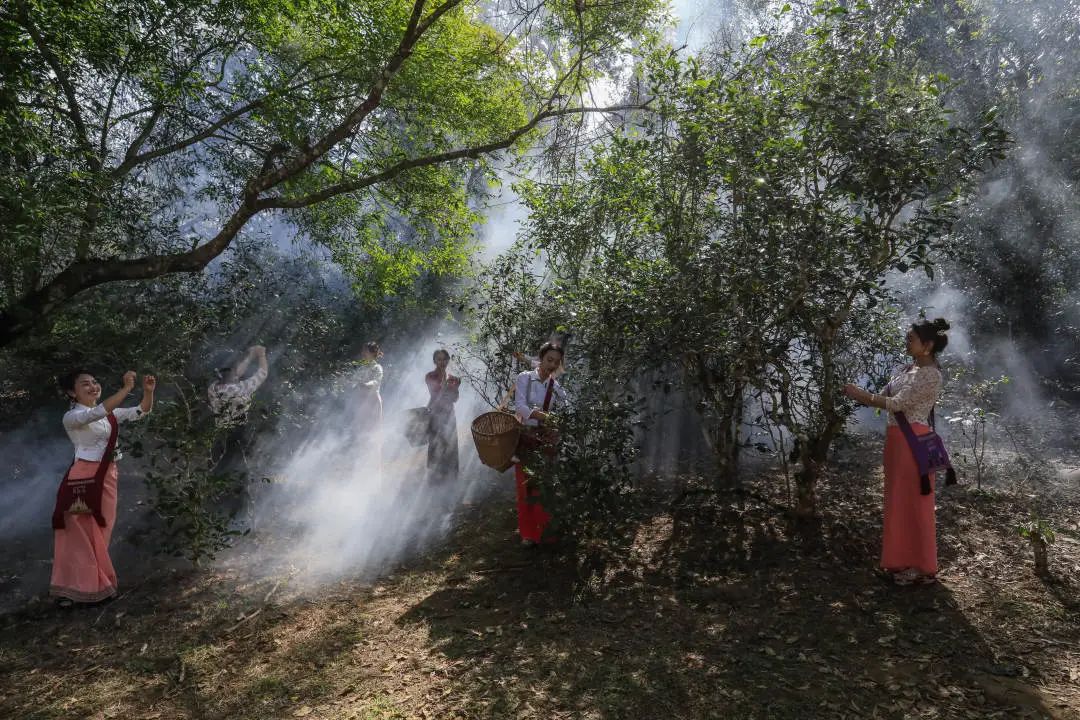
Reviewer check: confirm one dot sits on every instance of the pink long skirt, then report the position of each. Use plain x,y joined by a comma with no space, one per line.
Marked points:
908,536
82,569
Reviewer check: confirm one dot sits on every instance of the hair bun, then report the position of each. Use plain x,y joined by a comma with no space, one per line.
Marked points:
941,325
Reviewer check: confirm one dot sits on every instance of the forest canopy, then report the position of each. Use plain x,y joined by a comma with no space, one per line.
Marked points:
141,138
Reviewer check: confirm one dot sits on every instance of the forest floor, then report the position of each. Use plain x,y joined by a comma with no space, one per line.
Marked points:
709,607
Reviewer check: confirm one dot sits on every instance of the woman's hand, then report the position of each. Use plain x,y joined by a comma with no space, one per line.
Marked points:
864,397
113,401
149,384
259,353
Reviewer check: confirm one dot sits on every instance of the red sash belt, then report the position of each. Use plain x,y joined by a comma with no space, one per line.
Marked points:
83,495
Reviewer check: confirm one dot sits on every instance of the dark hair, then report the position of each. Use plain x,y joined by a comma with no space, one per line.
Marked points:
67,380
437,353
373,348
933,331
548,347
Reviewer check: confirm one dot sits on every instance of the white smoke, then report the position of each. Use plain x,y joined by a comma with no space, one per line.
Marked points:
37,455
338,507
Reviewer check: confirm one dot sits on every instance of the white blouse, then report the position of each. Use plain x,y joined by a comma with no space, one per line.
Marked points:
529,392
370,375
89,430
914,393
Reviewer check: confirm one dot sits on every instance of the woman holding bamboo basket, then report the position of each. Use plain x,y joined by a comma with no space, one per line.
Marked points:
537,395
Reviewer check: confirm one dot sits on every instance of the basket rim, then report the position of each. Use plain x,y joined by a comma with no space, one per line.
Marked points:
516,426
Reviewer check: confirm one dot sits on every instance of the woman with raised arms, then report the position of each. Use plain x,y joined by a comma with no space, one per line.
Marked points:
85,511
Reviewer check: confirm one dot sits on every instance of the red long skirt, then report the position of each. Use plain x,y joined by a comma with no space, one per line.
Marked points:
908,534
82,569
532,518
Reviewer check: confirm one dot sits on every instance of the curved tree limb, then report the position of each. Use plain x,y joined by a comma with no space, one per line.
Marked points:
393,171
81,276
85,273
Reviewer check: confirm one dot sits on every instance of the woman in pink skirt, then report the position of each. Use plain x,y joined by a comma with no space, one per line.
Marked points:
909,545
86,500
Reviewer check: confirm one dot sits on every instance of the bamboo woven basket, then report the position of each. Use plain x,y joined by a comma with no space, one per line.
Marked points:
495,435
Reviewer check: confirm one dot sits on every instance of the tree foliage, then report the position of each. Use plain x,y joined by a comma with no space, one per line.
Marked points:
142,137
741,235
1017,244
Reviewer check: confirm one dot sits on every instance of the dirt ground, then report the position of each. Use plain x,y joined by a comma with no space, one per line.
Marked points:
710,607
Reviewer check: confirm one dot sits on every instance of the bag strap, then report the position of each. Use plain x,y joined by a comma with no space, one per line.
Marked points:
917,450
62,493
547,395
513,386
110,446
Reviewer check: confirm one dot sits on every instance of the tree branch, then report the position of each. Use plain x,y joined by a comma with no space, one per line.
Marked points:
413,33
426,161
133,158
121,73
93,162
83,275
130,115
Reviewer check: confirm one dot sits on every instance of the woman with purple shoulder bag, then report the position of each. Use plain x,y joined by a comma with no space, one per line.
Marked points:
913,452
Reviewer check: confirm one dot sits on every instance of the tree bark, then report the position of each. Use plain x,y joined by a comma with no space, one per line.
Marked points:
724,438
21,317
725,447
1042,564
813,457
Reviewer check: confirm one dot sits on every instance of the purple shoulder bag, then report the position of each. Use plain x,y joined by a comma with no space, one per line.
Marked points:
929,451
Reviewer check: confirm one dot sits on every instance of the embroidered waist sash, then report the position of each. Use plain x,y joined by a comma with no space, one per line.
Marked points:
83,495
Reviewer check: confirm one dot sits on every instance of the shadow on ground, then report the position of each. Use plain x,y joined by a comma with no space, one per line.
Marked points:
718,610
709,606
